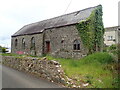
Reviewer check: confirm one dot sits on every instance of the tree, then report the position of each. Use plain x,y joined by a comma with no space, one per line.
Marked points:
3,49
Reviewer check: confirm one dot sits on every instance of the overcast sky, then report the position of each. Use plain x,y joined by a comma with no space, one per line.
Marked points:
14,14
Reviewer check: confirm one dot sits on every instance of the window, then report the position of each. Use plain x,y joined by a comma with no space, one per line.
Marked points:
110,38
16,42
23,43
62,41
76,45
32,43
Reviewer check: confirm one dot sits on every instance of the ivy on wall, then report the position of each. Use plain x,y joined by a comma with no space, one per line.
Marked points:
91,31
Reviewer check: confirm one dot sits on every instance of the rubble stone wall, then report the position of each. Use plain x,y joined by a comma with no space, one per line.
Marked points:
48,69
27,50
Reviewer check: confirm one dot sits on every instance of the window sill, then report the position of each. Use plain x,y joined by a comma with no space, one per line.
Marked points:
110,40
76,50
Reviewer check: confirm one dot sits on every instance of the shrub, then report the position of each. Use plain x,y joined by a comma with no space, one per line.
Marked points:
4,50
113,47
101,57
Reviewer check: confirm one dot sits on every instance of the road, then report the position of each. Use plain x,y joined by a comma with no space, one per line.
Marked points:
15,79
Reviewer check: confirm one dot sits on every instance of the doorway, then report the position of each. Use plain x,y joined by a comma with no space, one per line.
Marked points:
47,46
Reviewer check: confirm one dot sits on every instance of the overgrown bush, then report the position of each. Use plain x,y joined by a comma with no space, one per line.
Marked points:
101,57
4,50
113,47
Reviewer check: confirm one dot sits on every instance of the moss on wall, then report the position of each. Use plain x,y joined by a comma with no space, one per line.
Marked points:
92,30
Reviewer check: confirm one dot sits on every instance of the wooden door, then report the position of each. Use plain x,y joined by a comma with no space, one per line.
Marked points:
47,46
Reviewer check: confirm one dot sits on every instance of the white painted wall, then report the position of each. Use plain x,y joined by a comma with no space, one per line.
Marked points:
114,39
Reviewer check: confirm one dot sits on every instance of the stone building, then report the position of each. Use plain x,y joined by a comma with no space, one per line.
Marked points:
112,35
56,36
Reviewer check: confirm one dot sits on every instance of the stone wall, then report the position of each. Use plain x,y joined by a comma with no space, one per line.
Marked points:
61,43
41,67
38,44
48,69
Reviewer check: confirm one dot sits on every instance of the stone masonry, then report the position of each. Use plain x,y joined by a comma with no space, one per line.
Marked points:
61,44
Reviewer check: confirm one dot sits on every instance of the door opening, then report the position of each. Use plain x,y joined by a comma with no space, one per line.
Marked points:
47,46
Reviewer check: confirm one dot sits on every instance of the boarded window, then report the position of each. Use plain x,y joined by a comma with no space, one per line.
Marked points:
76,45
23,43
32,43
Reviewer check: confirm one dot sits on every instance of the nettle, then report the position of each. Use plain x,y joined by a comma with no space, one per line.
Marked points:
92,30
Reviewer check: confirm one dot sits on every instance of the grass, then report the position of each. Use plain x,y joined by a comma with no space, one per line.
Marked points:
10,54
17,55
95,69
92,69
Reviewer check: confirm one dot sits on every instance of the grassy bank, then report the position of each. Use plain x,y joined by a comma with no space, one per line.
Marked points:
97,69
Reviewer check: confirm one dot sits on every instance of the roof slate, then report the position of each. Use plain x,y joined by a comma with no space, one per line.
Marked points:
114,28
63,20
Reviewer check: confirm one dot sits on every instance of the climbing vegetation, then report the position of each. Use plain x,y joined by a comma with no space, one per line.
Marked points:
91,30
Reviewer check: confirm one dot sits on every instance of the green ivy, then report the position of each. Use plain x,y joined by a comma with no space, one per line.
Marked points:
91,31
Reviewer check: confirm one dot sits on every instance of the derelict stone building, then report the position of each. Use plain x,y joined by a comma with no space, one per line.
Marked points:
56,36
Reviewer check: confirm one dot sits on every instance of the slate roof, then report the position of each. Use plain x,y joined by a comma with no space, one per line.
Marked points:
63,20
114,28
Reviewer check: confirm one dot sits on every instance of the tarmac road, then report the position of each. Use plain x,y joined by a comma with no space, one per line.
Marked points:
15,79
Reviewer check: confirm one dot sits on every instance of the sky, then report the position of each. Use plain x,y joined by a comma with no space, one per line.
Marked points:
14,14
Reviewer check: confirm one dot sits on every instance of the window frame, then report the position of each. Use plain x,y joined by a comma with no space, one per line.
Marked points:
76,45
109,38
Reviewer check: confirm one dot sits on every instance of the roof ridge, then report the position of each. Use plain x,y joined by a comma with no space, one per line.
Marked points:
70,13
112,26
61,15
57,21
